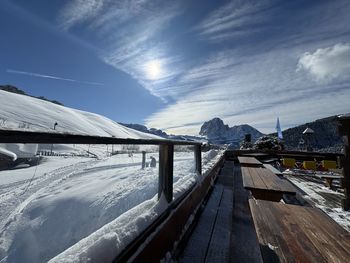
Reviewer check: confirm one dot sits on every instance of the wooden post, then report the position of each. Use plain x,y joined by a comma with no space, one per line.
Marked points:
166,167
143,159
198,158
344,131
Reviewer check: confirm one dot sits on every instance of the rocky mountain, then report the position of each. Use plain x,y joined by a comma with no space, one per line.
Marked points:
325,137
219,133
143,128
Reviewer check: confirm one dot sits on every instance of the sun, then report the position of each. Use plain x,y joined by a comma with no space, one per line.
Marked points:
153,69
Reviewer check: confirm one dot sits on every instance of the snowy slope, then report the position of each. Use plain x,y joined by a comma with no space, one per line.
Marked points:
20,112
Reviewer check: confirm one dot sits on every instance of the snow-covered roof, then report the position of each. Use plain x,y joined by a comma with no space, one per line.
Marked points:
308,131
344,116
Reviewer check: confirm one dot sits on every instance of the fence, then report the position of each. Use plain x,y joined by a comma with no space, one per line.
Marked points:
166,150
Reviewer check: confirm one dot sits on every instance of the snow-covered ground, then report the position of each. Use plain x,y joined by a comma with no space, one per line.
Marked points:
87,205
321,196
20,112
76,208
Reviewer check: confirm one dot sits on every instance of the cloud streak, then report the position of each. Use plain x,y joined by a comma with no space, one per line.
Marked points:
78,11
234,19
38,75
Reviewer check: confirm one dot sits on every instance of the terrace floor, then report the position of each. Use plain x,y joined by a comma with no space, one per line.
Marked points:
225,231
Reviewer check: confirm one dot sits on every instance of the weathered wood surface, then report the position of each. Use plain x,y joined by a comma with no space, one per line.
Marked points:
243,160
264,184
344,131
244,243
210,239
290,233
272,169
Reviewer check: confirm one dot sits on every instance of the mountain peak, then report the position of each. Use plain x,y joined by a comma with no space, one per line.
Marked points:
218,132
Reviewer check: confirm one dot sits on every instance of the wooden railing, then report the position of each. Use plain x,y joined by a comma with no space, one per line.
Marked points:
166,150
176,216
344,131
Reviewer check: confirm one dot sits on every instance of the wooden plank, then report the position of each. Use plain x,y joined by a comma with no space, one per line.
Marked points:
272,169
12,136
198,243
246,177
243,160
264,179
289,233
244,243
259,183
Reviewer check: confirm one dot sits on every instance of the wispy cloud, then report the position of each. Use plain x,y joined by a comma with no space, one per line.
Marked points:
234,19
38,75
128,31
78,11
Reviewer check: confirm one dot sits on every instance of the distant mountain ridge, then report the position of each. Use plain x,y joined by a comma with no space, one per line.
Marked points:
13,89
161,133
219,133
325,137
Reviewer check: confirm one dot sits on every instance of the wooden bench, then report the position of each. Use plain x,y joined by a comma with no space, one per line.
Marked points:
329,178
249,161
264,184
273,169
290,233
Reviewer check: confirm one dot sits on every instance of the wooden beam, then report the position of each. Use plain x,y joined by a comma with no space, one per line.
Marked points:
166,169
9,136
143,160
198,158
344,131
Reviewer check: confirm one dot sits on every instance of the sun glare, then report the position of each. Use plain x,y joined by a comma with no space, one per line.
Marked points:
154,69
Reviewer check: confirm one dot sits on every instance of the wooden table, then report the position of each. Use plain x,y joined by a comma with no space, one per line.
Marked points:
329,178
249,161
291,233
273,169
264,184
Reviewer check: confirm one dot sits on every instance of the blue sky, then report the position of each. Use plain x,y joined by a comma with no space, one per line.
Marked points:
175,64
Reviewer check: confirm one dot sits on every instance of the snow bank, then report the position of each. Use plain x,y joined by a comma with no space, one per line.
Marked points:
210,158
106,243
316,192
20,112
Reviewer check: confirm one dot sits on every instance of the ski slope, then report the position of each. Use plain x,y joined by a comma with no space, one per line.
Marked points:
20,112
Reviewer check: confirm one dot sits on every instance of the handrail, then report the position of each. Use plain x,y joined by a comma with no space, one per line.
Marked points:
13,136
166,150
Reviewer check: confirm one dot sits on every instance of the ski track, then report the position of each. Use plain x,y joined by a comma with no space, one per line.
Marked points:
13,199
